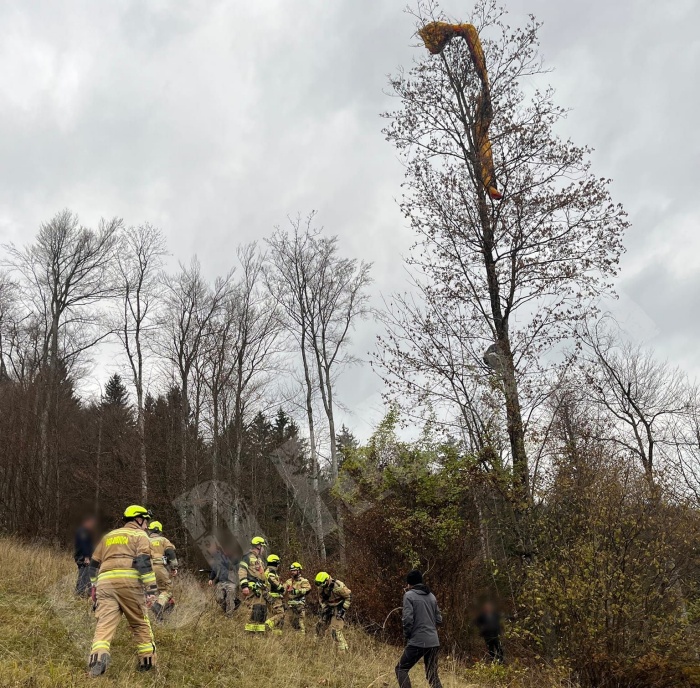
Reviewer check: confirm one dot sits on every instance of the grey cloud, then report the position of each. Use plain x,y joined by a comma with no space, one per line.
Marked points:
214,120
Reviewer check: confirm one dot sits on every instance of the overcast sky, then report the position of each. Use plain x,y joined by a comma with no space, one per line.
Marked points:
214,120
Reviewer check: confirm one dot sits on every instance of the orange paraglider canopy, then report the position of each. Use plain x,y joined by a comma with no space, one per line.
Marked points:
436,36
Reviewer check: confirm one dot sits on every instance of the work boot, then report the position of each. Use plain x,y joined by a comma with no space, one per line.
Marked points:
147,663
157,610
98,665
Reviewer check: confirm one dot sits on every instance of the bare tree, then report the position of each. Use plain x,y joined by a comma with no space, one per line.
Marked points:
139,263
335,298
8,319
66,275
243,341
190,305
645,396
287,275
512,276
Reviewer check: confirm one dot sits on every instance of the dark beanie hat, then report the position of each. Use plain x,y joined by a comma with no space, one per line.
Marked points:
415,577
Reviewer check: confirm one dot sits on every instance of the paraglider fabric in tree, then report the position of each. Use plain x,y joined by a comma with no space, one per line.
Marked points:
436,36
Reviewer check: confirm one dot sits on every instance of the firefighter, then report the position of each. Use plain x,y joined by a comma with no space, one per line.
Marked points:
251,576
297,588
334,598
120,572
276,592
220,576
165,565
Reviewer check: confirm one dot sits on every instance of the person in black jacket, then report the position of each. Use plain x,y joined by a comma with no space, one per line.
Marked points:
84,547
421,617
489,624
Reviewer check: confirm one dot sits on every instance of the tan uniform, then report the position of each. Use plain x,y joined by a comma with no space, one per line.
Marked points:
335,601
121,569
276,601
251,574
164,560
296,589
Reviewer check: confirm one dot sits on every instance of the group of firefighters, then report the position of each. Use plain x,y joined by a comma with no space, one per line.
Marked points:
137,558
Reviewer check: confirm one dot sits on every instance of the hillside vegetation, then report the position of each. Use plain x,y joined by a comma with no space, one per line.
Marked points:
45,633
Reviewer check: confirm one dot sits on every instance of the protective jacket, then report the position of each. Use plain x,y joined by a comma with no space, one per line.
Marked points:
124,556
274,583
421,616
251,571
163,552
297,589
335,596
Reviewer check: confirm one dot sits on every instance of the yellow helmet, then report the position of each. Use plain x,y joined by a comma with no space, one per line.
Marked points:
156,525
295,566
322,579
273,560
136,511
258,541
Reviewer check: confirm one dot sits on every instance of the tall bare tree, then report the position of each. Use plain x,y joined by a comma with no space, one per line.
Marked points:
190,305
66,276
243,340
335,298
507,278
288,278
139,263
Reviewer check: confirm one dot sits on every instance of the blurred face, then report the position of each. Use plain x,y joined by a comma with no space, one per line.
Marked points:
90,523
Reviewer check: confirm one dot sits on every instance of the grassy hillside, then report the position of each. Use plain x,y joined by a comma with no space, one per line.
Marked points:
45,634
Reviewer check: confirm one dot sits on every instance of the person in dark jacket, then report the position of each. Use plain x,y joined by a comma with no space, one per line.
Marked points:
489,624
221,576
421,617
84,547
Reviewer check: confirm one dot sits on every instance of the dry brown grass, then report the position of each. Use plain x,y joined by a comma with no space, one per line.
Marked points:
45,634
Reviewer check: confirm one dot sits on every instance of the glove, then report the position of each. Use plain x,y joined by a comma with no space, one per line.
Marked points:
173,572
150,599
93,594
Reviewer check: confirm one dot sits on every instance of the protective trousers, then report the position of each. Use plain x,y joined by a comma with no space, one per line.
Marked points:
255,611
115,598
165,585
275,619
336,626
295,616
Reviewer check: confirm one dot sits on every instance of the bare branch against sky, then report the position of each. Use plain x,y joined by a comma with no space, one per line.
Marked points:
164,113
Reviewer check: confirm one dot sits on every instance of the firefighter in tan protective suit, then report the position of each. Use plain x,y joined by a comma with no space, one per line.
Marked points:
120,572
165,565
297,588
253,587
276,592
334,598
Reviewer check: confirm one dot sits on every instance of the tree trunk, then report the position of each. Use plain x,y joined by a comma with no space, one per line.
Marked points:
315,470
516,432
141,427
98,464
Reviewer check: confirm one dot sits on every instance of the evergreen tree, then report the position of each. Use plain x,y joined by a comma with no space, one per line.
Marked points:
116,394
346,442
